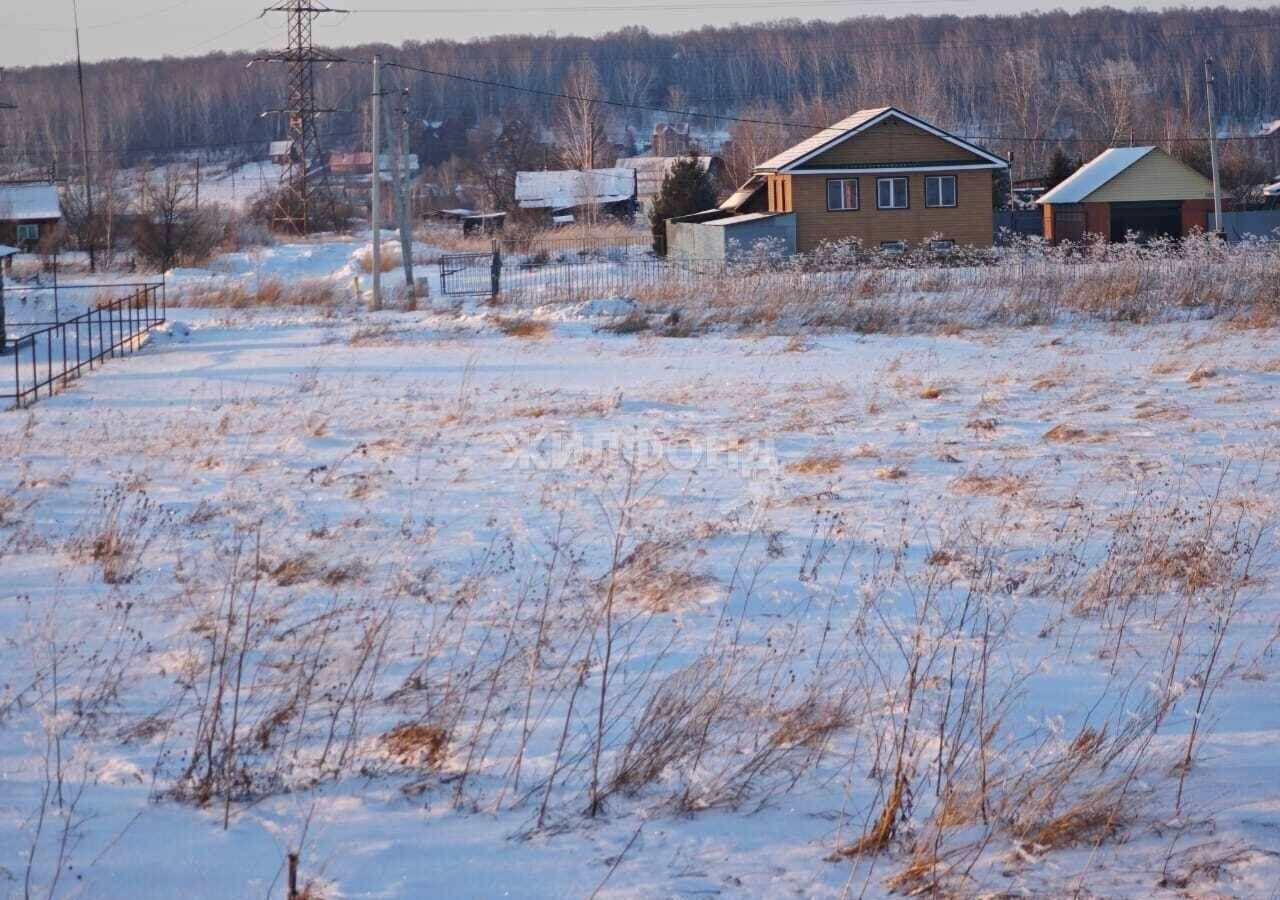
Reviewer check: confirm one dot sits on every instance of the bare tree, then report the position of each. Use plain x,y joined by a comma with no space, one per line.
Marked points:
580,123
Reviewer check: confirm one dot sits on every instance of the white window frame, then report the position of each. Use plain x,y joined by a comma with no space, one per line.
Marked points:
857,194
939,180
28,232
942,246
893,248
892,180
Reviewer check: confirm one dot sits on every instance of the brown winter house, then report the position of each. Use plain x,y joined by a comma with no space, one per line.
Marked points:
881,176
1128,192
29,213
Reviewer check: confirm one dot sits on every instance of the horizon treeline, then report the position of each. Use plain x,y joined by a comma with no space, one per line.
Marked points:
1023,85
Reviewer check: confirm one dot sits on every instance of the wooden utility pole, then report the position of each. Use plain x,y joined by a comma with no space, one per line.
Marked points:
84,143
1213,147
375,198
402,207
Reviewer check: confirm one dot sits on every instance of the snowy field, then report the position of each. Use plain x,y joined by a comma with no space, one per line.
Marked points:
462,610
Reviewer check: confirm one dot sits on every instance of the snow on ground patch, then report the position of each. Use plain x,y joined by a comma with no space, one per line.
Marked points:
452,612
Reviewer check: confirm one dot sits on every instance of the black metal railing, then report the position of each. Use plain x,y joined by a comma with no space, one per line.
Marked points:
46,359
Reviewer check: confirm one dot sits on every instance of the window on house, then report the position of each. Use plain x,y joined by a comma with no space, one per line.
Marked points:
891,193
28,232
940,190
842,194
942,246
893,247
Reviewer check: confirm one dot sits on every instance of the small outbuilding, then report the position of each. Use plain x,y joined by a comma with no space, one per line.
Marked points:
562,195
29,212
1128,192
652,171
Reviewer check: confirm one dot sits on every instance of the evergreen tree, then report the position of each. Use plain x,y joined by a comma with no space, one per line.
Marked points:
686,189
1061,167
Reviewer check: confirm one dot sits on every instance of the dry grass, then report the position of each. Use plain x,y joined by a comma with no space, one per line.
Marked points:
891,473
528,329
1004,485
417,746
817,464
1201,373
269,292
389,259
932,392
1066,434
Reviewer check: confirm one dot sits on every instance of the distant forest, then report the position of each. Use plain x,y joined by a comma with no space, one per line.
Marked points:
1023,85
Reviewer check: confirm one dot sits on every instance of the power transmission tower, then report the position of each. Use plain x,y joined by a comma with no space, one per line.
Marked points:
294,208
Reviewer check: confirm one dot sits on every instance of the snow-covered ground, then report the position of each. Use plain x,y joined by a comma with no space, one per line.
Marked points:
457,613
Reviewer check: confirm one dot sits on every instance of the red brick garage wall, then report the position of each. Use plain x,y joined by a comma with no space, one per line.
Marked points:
1195,215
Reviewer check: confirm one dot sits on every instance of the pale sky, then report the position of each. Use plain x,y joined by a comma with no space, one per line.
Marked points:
34,33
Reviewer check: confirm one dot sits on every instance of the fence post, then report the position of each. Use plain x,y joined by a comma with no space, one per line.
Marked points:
495,270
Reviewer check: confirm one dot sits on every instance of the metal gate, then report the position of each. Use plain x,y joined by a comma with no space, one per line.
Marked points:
470,274
1068,224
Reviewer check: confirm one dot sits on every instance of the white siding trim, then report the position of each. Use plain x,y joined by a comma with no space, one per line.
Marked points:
898,170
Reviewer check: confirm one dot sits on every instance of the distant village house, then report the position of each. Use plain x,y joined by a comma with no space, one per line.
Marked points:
882,177
29,212
563,197
651,171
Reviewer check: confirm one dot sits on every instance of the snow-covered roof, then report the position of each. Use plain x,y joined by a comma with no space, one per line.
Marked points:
20,202
651,171
855,124
280,148
1087,179
1272,128
6,250
1272,190
563,189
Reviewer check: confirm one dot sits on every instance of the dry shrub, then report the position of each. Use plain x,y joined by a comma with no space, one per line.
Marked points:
1003,484
293,570
658,577
372,334
796,344
1201,373
932,392
633,322
417,746
389,259
817,464
891,473
118,541
1066,434
529,329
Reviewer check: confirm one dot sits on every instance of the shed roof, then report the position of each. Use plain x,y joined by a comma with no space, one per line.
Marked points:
651,171
856,124
6,250
19,202
564,189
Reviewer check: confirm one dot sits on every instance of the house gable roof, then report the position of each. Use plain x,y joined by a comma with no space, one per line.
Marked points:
1131,174
31,201
860,122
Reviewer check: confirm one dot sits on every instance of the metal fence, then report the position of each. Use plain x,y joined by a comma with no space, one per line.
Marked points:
46,359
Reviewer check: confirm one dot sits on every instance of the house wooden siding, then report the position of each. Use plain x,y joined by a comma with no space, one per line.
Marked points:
971,222
891,142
